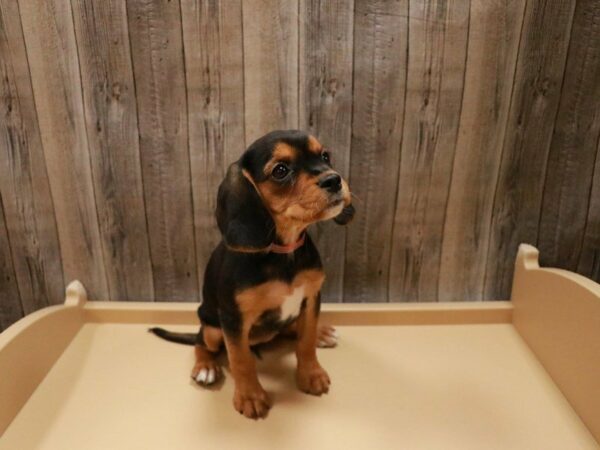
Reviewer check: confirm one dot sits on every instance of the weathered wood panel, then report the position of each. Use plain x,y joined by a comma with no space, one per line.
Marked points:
214,63
494,30
436,66
10,298
270,66
325,99
158,63
589,260
464,127
380,66
536,93
574,145
54,66
28,207
111,120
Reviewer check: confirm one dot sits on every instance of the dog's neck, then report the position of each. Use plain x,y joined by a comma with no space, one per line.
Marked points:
289,235
288,249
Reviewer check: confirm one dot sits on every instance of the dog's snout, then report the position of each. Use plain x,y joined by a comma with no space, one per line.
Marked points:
331,182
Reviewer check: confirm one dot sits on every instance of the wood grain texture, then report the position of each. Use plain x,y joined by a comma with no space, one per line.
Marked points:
574,145
589,260
536,93
214,65
464,127
325,99
10,298
54,66
270,66
494,30
111,120
158,63
28,207
436,65
380,65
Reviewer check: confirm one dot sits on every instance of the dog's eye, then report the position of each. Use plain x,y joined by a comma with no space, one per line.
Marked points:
325,156
280,171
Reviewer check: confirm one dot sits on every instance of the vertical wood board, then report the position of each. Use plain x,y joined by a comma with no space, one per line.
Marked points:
325,99
270,66
111,120
494,30
24,185
54,67
155,32
436,66
212,38
380,66
534,103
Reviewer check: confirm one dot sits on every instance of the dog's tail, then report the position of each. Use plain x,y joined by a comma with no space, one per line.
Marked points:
180,338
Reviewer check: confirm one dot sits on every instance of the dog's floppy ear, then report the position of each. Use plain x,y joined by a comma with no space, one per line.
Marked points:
243,220
345,216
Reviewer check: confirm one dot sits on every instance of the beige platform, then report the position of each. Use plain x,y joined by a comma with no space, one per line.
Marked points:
523,374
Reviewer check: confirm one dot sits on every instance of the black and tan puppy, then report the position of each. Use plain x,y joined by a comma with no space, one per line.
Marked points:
265,276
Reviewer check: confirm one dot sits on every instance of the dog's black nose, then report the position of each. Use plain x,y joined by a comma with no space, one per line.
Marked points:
331,182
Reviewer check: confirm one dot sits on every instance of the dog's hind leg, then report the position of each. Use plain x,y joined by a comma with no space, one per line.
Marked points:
207,370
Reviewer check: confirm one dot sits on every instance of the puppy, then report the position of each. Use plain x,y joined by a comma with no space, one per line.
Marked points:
265,276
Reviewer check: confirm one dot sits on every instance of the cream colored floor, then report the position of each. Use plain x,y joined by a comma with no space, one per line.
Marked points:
405,387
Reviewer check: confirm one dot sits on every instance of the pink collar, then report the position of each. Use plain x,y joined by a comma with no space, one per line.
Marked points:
291,248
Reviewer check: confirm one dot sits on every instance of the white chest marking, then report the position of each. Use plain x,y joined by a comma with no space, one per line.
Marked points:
290,307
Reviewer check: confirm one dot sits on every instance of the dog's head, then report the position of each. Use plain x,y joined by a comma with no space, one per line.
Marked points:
282,183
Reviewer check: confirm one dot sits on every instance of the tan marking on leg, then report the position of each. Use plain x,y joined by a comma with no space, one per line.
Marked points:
249,399
306,349
213,338
262,339
310,376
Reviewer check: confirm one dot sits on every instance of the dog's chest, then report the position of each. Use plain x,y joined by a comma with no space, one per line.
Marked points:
292,303
282,311
275,304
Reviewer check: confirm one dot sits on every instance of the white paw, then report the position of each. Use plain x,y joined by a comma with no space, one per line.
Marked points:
327,337
206,376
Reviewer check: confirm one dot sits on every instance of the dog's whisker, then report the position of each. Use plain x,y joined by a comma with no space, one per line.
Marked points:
353,195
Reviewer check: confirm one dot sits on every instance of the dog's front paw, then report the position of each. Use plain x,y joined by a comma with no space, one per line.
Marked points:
253,403
327,336
313,380
206,373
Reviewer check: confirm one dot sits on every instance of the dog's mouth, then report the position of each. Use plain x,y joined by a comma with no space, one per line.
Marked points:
334,202
332,208
325,208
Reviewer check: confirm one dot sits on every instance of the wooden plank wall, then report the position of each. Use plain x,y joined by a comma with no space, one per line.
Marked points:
465,127
32,268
